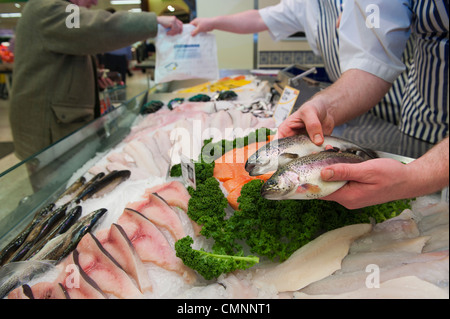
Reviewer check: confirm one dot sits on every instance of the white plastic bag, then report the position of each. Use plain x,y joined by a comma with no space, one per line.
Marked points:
183,56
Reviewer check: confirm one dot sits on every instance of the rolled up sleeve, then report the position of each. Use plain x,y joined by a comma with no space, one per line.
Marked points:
98,30
373,36
292,16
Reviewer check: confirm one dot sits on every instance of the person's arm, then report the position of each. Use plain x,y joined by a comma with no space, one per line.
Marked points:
353,94
98,30
383,180
249,21
370,59
174,25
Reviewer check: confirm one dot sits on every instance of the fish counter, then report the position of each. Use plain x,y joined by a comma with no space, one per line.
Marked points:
189,194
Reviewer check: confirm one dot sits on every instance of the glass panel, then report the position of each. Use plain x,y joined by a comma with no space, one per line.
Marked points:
36,181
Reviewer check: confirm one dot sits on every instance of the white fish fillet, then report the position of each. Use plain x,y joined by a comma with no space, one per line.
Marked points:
399,234
136,172
314,261
433,271
118,157
439,238
164,144
358,262
160,161
142,156
413,245
409,287
221,126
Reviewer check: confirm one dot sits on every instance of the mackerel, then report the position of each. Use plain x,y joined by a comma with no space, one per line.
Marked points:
18,273
14,244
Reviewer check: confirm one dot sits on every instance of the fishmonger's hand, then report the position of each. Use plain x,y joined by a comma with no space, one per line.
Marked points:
383,180
312,117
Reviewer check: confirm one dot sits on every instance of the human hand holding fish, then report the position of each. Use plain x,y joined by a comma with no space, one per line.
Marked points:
368,183
382,180
312,118
352,95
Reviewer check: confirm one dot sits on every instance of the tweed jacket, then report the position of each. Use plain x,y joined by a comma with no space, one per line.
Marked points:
54,87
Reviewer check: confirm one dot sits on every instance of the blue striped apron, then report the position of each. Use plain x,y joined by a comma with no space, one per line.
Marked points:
425,102
388,108
400,104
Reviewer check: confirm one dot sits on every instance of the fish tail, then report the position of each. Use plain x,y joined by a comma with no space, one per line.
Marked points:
8,285
14,274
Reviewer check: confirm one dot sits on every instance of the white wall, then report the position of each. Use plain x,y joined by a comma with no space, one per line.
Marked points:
234,51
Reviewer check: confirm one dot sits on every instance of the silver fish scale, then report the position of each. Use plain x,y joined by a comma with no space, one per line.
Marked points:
305,172
310,162
287,144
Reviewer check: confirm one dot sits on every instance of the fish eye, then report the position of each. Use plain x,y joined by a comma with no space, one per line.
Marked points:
271,182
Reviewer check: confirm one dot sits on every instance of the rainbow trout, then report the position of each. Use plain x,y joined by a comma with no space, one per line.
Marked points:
279,152
300,178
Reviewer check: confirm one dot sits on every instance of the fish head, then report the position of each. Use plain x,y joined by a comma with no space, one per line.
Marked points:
257,162
279,186
86,224
262,161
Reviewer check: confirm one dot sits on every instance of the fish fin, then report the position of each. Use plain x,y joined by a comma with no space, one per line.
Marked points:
308,188
289,155
368,154
286,158
330,148
365,153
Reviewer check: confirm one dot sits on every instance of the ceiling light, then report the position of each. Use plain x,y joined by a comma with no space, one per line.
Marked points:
11,15
125,2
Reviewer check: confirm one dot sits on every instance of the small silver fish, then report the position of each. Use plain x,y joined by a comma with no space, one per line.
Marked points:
281,151
101,186
17,273
300,178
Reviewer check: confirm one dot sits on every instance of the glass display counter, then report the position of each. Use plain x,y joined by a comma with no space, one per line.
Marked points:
41,178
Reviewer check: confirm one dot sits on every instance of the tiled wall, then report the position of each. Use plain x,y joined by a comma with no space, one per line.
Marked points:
280,54
276,59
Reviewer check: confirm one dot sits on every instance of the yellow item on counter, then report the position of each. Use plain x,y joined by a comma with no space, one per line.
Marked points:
223,84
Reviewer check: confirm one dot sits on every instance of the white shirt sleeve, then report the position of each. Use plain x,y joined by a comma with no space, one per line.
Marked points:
373,36
291,16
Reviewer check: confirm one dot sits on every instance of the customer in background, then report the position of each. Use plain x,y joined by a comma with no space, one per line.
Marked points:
370,60
54,82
